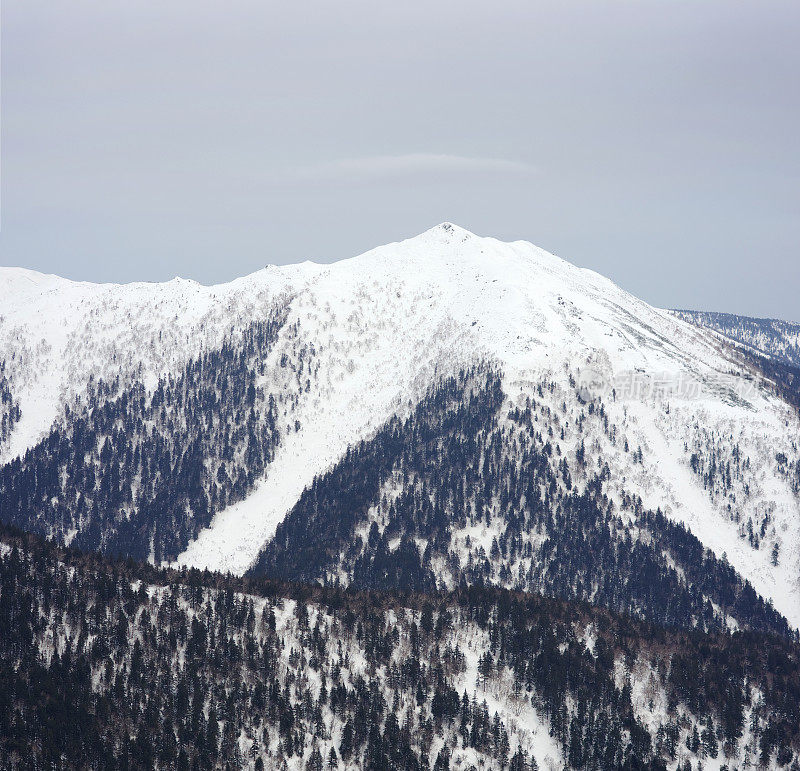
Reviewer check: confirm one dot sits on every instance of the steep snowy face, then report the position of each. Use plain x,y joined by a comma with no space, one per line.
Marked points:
388,324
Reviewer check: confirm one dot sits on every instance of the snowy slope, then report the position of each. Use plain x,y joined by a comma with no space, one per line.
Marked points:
55,334
385,325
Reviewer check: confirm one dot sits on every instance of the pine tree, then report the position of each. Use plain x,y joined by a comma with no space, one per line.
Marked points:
333,760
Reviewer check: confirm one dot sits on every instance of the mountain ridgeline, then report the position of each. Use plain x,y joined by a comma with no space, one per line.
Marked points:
777,339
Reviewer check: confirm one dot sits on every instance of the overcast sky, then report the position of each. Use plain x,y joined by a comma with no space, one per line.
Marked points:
655,141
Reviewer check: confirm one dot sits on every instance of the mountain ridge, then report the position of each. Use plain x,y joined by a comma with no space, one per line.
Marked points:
380,328
776,338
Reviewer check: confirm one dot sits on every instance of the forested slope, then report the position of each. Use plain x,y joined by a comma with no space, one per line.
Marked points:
112,664
140,472
468,490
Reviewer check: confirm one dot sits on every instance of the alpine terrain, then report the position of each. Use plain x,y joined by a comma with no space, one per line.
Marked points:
776,338
453,503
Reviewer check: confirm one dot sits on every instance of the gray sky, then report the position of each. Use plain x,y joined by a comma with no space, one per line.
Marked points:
655,141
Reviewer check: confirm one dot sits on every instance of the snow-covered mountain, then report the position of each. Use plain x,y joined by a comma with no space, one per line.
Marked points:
688,424
774,337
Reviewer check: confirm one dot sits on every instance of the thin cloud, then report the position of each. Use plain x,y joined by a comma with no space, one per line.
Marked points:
386,167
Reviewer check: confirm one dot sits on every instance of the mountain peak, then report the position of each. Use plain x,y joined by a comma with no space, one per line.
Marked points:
449,230
385,325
